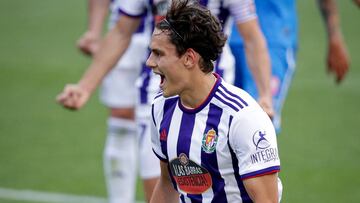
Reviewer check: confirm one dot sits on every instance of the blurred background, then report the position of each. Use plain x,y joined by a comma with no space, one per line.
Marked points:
49,154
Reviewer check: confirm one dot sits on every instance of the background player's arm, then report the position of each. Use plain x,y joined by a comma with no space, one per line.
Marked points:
258,60
115,43
263,189
357,2
337,58
89,42
164,191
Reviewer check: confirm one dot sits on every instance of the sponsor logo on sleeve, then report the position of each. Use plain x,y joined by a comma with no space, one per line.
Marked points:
209,141
189,176
264,151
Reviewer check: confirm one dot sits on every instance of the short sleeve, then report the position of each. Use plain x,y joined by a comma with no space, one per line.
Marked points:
155,137
133,8
242,10
253,139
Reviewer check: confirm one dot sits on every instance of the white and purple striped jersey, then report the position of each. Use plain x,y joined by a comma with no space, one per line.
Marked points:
226,10
211,149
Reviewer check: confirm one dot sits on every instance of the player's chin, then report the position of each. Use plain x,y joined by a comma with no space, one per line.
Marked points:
168,93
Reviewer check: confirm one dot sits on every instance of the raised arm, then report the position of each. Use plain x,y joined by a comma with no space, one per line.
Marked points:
259,61
337,56
115,43
89,42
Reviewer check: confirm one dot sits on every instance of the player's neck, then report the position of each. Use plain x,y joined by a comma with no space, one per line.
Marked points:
198,92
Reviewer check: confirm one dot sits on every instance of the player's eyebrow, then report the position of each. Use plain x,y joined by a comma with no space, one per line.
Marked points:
156,51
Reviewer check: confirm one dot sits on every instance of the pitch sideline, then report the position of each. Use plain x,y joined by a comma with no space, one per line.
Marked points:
48,197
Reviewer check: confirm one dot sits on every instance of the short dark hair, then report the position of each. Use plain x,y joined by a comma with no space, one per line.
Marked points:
193,26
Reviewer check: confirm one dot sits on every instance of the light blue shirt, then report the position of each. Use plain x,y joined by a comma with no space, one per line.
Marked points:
278,21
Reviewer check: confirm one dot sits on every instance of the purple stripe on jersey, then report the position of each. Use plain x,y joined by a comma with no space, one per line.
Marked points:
159,95
152,114
224,14
168,110
142,23
234,95
204,2
145,74
233,100
185,133
133,16
264,171
182,198
244,195
209,160
184,142
227,103
184,139
162,159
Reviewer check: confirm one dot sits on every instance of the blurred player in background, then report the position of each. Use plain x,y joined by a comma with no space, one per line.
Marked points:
205,131
118,93
278,21
116,41
357,2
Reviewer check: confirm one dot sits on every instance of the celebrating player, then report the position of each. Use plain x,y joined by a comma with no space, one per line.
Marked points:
215,142
118,38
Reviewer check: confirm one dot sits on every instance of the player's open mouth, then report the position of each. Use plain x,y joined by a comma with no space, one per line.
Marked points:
162,79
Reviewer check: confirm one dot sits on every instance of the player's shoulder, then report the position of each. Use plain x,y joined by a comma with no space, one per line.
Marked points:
234,99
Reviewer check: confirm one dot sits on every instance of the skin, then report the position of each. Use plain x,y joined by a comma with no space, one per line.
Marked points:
257,56
89,42
112,47
105,55
357,2
338,61
182,76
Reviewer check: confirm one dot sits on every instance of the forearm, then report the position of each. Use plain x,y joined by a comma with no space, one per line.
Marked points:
97,13
112,48
164,193
331,18
259,64
258,61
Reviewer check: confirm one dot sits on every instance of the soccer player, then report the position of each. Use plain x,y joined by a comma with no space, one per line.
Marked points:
118,93
278,21
118,38
215,143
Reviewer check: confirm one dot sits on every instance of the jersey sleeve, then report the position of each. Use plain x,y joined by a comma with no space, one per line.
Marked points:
132,8
242,10
155,136
253,139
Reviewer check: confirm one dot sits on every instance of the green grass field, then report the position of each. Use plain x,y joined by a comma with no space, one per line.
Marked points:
46,148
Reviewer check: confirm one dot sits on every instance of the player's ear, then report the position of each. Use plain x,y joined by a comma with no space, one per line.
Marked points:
191,58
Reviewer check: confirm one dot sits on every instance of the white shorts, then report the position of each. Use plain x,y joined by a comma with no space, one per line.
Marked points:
149,166
118,87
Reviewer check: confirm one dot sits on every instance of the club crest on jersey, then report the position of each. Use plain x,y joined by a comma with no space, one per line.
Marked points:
209,141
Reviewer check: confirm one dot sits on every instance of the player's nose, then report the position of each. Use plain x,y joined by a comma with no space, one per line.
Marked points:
150,62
